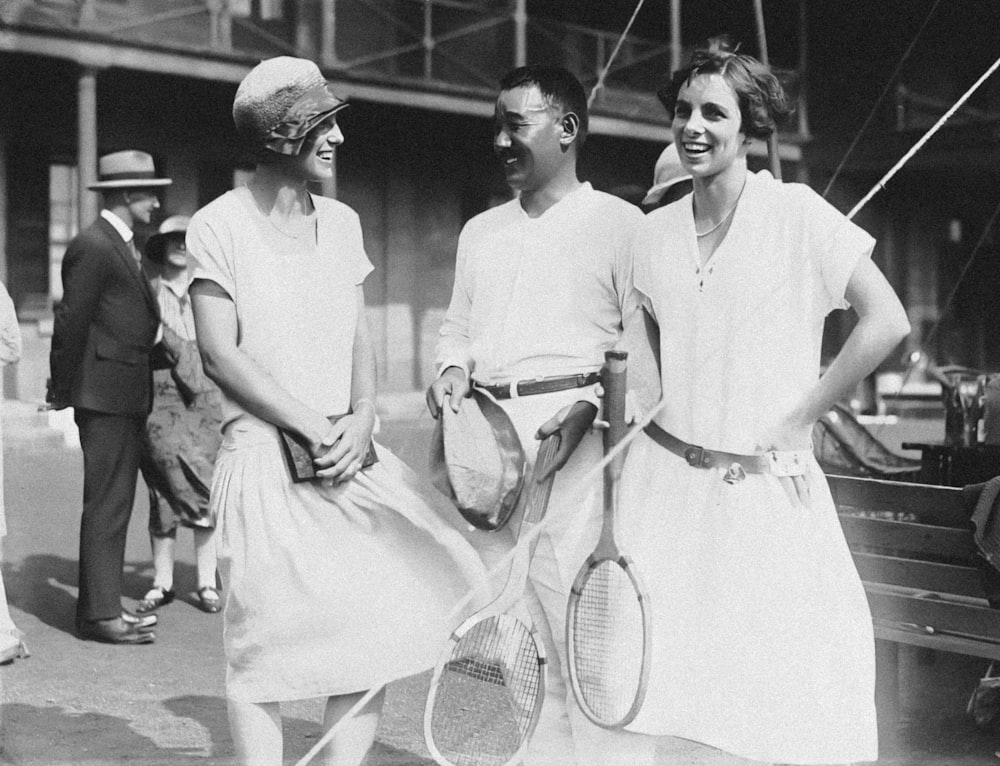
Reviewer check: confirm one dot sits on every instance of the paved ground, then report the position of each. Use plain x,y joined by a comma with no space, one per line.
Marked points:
85,703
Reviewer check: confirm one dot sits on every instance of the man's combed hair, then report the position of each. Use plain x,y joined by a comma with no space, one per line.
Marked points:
558,85
762,99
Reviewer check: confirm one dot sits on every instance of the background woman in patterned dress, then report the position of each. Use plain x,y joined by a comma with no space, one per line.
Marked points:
182,433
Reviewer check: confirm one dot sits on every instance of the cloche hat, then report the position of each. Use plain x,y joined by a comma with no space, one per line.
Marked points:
280,101
129,169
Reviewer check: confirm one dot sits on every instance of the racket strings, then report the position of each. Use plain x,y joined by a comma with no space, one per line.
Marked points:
608,636
488,693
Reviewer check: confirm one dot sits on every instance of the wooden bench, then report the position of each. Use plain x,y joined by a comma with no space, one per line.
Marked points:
914,550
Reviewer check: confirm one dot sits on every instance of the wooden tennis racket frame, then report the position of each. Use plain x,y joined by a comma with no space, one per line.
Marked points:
614,382
509,596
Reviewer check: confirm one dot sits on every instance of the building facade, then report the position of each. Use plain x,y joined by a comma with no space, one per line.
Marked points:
80,78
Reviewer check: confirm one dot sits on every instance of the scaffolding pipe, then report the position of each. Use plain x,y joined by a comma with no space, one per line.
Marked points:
428,40
520,32
772,140
675,35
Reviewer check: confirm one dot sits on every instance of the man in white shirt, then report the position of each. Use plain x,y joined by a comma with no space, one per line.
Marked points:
105,327
541,286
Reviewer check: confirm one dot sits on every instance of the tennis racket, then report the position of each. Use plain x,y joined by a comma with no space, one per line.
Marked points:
487,689
608,617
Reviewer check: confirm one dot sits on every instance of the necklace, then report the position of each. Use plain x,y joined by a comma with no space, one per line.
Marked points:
725,218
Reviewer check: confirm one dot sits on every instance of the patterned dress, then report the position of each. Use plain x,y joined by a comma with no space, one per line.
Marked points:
183,433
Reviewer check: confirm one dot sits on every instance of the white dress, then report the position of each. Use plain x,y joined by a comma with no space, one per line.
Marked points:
329,590
10,352
763,642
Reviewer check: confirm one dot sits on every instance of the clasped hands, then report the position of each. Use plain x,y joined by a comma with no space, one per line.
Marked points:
338,455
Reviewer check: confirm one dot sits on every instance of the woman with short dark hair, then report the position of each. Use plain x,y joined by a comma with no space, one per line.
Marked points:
762,642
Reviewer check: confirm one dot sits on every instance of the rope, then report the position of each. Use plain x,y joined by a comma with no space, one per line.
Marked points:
925,138
607,67
878,101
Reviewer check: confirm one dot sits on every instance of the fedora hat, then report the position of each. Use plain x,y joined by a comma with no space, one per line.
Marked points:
667,172
477,460
156,245
129,169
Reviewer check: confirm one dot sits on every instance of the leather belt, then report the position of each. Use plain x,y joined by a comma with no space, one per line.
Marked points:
538,385
699,457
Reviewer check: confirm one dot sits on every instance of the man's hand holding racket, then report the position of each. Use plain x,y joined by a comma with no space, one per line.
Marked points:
572,422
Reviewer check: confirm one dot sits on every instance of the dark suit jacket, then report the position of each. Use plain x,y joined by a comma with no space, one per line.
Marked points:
105,326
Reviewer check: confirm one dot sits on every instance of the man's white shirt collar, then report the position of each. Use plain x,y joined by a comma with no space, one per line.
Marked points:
123,230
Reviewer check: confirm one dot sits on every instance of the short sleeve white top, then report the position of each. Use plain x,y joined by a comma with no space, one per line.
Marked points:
296,305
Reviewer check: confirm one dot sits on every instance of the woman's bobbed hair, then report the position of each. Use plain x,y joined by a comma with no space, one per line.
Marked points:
762,99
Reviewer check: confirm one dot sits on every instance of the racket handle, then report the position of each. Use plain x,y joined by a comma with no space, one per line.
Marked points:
614,379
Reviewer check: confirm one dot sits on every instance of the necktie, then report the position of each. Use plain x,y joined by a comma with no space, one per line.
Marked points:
135,252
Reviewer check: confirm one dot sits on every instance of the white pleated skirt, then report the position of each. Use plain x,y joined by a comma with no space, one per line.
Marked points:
331,590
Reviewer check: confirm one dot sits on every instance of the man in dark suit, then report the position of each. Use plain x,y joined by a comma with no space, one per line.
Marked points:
105,328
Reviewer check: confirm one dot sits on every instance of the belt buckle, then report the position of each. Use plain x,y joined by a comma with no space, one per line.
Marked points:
694,455
735,474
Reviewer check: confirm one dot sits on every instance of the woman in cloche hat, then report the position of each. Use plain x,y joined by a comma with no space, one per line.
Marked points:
337,585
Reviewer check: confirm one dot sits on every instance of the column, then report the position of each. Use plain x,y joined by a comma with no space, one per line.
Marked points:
87,145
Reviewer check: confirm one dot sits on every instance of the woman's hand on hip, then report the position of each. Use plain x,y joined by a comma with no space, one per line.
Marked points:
790,455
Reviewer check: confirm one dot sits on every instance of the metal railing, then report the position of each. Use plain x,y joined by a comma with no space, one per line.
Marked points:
447,46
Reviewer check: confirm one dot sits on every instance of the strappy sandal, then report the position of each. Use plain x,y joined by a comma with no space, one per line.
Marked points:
209,599
155,598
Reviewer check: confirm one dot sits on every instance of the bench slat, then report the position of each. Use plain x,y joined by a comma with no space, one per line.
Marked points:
912,540
923,575
945,643
941,506
976,622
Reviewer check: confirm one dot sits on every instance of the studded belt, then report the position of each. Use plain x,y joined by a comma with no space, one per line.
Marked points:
699,457
538,385
774,462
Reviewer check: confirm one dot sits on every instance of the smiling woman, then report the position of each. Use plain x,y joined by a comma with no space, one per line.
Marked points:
278,299
735,282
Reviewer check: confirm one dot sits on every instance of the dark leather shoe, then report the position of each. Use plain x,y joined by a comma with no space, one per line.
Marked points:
114,631
141,621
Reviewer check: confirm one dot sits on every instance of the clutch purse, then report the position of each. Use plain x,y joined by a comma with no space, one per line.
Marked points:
299,460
